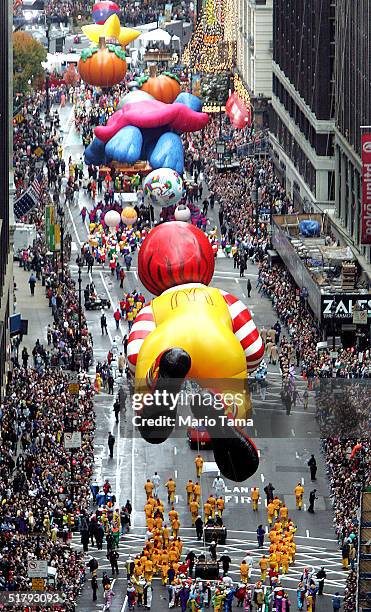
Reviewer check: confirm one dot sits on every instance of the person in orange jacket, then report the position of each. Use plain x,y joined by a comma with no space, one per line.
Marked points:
171,486
189,491
199,462
255,496
299,492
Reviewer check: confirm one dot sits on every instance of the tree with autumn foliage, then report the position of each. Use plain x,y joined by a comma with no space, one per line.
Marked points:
28,54
70,76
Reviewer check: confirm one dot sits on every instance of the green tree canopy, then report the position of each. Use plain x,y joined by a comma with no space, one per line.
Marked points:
28,54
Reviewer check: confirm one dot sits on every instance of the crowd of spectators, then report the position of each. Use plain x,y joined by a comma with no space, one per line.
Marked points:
275,283
44,487
94,107
39,508
245,225
241,222
133,13
27,137
347,476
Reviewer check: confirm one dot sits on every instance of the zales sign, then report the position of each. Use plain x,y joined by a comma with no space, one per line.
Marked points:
344,306
366,189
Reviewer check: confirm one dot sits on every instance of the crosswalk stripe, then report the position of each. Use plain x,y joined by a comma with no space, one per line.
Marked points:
306,555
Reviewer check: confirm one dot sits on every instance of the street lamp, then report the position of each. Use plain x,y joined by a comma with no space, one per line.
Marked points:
47,92
333,316
61,217
72,466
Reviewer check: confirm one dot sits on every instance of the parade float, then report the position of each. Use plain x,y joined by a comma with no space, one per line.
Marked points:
189,330
149,120
193,331
147,129
104,63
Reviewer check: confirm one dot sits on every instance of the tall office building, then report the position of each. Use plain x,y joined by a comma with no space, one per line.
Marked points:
254,54
6,267
352,110
302,124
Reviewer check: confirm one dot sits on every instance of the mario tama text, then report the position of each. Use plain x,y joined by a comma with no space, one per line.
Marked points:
164,421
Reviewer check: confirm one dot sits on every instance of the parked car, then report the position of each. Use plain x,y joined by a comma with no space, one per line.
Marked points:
199,437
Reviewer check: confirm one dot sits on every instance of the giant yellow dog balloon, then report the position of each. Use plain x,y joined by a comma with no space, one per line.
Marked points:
195,331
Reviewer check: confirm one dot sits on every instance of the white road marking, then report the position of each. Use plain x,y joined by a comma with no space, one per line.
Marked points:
72,125
118,467
262,477
293,432
175,450
78,241
112,304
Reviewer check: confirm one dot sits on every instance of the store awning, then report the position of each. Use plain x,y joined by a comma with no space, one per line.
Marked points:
157,35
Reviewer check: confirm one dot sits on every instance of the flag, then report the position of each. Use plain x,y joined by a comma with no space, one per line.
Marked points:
238,112
29,198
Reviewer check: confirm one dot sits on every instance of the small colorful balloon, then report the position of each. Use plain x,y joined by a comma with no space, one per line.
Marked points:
112,219
163,187
182,213
103,10
129,215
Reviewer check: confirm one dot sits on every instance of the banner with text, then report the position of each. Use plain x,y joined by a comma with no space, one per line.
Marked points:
366,189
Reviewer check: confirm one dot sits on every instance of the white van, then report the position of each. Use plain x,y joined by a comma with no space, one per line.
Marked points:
24,236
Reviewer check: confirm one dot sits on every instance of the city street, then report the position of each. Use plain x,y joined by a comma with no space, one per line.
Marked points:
185,306
285,443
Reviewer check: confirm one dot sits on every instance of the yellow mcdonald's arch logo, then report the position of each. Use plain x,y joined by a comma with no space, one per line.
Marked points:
193,294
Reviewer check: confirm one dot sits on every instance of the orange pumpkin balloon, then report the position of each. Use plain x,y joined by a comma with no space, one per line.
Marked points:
103,66
164,87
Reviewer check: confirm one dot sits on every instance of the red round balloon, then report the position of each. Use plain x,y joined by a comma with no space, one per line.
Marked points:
173,254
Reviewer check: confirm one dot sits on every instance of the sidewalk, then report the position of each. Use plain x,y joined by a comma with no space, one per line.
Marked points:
35,309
